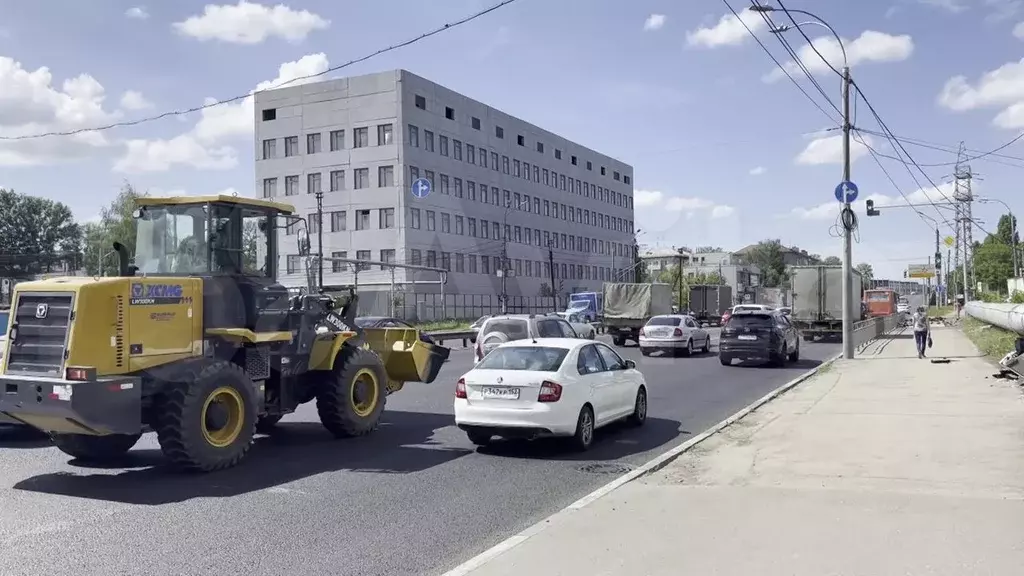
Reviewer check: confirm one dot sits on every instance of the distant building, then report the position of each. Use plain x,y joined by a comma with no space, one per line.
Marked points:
791,255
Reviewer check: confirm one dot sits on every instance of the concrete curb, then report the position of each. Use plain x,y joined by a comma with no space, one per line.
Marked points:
652,465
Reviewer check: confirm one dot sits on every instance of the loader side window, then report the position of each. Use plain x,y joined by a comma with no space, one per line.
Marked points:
171,240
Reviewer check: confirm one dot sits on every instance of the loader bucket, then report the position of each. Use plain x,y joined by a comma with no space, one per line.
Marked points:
406,358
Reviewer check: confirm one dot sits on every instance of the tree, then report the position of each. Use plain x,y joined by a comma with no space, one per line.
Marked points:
116,224
832,261
768,256
867,273
993,264
1005,231
708,249
545,290
36,235
640,271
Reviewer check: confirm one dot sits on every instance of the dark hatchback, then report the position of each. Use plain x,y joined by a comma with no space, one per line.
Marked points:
759,336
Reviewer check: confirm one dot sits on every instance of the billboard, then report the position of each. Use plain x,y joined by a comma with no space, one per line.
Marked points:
921,271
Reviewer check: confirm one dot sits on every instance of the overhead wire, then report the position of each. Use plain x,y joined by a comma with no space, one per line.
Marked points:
186,111
989,156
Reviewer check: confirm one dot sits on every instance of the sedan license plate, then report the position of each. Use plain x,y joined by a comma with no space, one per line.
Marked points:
747,337
500,393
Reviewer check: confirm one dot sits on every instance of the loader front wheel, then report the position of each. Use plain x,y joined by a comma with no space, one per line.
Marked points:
208,424
89,448
351,398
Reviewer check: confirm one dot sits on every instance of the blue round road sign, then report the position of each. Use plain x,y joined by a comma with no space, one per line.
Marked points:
421,188
846,192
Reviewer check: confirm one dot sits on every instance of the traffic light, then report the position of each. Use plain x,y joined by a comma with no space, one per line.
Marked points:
904,273
871,208
938,260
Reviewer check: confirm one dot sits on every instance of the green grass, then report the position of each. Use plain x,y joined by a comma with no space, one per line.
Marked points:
444,325
993,342
940,311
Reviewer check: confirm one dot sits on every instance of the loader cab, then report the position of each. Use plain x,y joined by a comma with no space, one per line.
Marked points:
230,242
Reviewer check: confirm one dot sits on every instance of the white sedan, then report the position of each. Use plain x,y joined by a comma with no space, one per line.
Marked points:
673,332
549,387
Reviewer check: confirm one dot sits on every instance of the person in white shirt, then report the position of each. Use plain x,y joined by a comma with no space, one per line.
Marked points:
922,331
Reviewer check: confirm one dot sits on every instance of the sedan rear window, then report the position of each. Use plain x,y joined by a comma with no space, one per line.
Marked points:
664,321
750,321
534,358
513,329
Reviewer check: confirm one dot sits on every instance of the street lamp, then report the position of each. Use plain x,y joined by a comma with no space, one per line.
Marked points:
1013,232
847,216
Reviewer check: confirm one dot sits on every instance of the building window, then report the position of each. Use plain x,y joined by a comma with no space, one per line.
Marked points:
558,154
362,219
471,261
270,114
572,160
483,158
269,149
338,221
625,179
602,171
387,256
313,223
291,146
521,140
360,137
615,176
421,102
361,178
414,173
470,154
337,180
449,112
429,175
540,147
475,122
363,255
458,187
387,218
457,149
517,168
385,176
293,264
484,227
414,218
471,189
446,223
590,165
416,257
445,184
504,164
384,134
446,261
485,264
460,262
428,140
414,136
442,143
459,220
499,132
494,161
313,183
431,222
337,140
313,143
471,223
337,267
291,185
431,259
269,187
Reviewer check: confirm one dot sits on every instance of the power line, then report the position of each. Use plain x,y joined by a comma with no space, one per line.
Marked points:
182,112
989,155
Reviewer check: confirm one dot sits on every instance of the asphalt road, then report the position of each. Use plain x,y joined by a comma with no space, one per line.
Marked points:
412,498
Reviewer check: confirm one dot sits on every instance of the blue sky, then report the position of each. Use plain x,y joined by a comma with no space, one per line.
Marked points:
686,99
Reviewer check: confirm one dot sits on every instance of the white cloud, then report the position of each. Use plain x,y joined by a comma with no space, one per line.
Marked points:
30,103
729,31
757,171
829,150
230,191
1018,31
137,13
830,210
870,46
654,22
722,211
658,201
208,145
645,198
999,88
951,6
133,100
251,23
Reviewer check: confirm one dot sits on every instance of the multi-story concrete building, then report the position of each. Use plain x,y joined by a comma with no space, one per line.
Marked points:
499,185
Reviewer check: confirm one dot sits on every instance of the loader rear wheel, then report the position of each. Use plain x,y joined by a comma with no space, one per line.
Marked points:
89,448
208,424
351,398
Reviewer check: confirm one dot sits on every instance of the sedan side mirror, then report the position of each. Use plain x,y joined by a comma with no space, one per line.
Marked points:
630,365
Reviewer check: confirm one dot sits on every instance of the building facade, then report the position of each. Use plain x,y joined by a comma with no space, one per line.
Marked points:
499,186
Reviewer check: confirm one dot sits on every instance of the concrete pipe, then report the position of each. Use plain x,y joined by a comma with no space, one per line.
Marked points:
1006,316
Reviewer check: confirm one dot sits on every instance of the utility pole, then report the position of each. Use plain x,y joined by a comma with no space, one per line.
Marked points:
848,220
679,269
963,196
504,276
551,272
320,236
938,268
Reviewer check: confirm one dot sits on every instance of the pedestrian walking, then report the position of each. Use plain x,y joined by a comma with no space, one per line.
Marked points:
922,331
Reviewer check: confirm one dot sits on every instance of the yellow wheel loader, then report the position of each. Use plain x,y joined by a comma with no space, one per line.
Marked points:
198,342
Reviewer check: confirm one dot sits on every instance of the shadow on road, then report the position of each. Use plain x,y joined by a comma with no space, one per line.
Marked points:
801,364
612,442
900,336
14,436
402,444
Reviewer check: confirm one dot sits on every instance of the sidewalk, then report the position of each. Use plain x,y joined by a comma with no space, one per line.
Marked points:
883,465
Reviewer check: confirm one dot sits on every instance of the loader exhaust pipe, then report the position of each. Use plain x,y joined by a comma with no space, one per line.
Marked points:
124,268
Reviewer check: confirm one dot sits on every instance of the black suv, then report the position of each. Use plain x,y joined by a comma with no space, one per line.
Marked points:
759,335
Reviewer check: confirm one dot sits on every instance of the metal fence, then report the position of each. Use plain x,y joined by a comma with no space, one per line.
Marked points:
436,307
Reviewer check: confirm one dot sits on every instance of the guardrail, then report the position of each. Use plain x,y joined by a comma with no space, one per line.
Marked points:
1009,317
866,331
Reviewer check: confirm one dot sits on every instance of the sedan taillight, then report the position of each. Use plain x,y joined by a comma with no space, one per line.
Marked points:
677,332
549,392
460,388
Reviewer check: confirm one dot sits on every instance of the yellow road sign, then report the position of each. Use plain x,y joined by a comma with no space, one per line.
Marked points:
949,241
920,271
